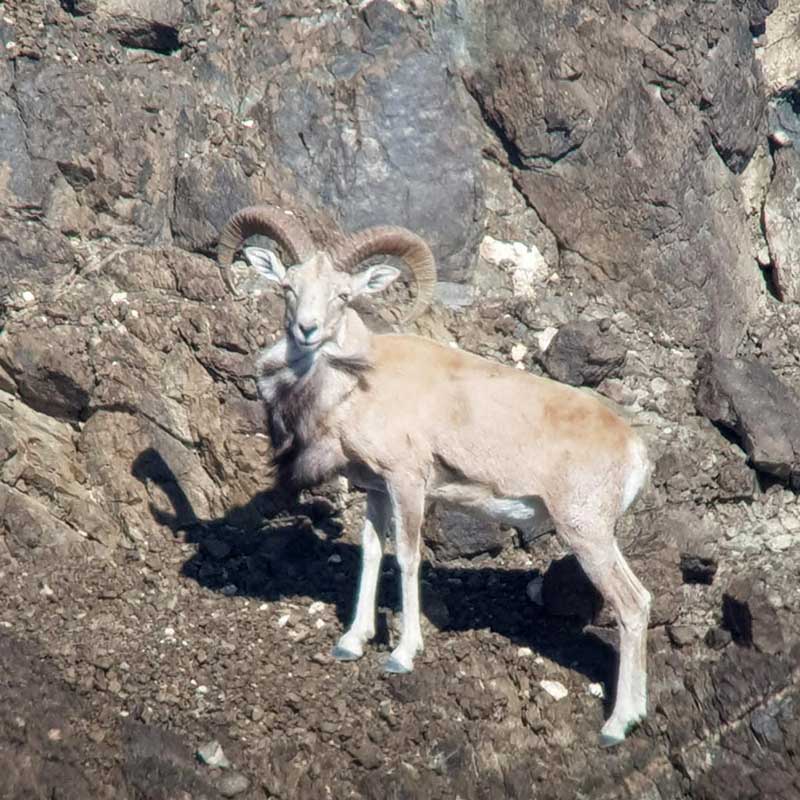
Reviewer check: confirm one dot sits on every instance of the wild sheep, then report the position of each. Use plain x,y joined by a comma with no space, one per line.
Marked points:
410,420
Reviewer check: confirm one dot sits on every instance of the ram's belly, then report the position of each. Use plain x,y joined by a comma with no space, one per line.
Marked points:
527,513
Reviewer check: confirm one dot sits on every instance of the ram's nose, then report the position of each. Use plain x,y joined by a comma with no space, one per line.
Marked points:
308,329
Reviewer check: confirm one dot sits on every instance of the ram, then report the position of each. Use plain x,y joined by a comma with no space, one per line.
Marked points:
409,420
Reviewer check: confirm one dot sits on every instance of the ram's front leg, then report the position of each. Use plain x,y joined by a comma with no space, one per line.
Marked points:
408,502
373,534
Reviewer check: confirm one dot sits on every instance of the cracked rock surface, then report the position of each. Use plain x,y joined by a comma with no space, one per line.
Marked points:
610,190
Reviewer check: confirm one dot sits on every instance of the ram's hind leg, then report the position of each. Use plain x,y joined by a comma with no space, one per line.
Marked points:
408,502
604,564
377,523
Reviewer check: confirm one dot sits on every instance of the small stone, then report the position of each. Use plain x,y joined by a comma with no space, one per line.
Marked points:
256,713
524,652
681,635
202,689
46,591
28,297
749,616
230,589
596,690
232,784
717,638
555,689
518,352
169,633
545,337
283,620
319,624
335,559
534,590
217,548
698,569
54,734
316,607
212,755
781,542
119,297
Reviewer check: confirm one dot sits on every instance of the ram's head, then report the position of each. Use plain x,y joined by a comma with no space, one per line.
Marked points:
319,285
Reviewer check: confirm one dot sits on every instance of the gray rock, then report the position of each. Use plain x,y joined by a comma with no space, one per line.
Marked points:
747,398
583,354
782,222
233,783
749,616
698,568
212,754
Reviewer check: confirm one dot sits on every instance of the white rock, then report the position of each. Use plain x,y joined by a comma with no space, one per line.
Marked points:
526,264
545,337
518,352
596,690
781,542
212,754
316,607
169,633
555,689
659,386
534,590
28,297
119,297
524,652
283,620
319,624
202,689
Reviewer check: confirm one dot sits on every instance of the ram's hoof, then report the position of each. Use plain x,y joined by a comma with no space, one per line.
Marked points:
394,666
343,654
609,740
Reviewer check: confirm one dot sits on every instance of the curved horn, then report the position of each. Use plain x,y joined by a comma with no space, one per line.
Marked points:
391,240
270,221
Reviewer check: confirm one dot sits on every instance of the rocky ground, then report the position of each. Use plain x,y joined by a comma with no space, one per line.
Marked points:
611,192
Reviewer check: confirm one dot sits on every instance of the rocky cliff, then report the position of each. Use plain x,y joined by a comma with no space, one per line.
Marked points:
612,193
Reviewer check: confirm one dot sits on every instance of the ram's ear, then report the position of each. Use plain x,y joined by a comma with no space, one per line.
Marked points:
374,279
266,263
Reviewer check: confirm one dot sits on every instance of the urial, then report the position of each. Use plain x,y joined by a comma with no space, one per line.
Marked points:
409,420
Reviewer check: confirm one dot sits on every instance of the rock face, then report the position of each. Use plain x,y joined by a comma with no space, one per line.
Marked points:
611,193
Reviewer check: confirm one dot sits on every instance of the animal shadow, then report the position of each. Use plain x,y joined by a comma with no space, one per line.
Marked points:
281,546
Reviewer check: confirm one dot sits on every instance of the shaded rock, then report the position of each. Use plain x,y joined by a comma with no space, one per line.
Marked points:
717,638
698,568
583,354
750,400
749,616
453,534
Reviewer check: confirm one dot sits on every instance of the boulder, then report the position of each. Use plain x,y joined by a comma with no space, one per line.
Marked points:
584,353
747,398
